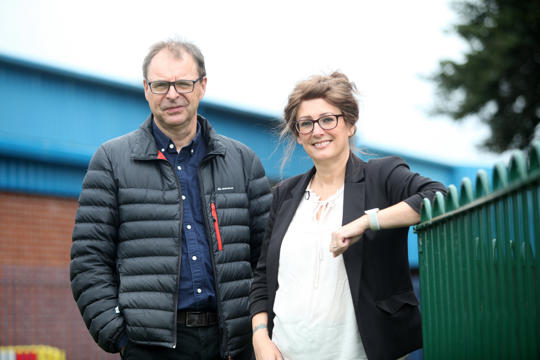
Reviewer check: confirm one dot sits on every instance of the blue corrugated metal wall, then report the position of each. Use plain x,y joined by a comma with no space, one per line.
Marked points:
53,120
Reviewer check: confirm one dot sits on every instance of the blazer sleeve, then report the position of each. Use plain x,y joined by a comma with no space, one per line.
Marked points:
93,275
401,184
258,294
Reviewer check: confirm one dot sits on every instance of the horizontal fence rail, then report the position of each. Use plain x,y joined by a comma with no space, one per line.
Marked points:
479,265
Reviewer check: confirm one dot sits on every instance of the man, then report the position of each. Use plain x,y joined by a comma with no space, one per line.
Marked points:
170,222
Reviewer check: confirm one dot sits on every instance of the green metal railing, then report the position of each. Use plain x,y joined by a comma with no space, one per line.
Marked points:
480,267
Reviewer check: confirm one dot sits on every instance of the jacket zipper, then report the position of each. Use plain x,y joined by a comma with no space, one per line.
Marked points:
203,201
179,242
216,225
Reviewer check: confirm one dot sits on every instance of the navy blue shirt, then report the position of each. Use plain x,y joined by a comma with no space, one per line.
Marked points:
196,291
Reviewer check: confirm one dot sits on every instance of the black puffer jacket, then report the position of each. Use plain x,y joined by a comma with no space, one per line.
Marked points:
126,251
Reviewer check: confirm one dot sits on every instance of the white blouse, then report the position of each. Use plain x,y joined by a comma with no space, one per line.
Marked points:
315,317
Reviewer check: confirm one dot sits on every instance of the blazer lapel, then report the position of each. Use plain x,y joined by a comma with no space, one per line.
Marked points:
283,219
353,208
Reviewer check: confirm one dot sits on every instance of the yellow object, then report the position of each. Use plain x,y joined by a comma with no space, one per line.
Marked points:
43,352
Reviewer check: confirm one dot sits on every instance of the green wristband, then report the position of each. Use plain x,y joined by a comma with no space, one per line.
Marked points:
258,327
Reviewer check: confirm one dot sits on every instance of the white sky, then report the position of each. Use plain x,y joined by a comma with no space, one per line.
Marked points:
256,51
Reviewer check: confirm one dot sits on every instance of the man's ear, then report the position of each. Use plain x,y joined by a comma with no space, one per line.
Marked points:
203,87
146,88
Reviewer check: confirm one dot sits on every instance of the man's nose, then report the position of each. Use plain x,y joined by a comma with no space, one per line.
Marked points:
172,93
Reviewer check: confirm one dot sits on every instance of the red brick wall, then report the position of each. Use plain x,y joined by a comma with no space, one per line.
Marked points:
36,304
35,230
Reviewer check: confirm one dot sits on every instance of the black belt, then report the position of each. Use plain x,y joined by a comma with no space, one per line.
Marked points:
196,318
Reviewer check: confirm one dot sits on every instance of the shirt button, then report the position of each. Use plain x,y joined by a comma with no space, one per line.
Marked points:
192,151
183,197
179,167
199,291
163,150
188,227
171,146
194,258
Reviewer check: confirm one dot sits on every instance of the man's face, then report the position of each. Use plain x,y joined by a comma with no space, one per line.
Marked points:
173,110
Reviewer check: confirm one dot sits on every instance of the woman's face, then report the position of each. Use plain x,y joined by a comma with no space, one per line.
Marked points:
320,144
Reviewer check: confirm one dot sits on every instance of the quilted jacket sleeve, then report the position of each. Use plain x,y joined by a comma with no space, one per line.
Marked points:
260,199
93,275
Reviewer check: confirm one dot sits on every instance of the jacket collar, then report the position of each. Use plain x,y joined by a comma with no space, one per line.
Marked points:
355,169
214,142
145,148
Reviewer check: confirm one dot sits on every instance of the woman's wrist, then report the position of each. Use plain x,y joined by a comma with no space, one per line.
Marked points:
364,223
373,219
259,327
357,228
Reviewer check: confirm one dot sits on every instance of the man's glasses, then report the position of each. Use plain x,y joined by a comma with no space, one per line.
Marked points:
161,87
326,122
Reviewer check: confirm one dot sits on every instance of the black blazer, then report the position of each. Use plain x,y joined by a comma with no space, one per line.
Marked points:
377,266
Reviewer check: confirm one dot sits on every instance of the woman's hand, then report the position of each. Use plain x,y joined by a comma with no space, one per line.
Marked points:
264,348
347,235
395,216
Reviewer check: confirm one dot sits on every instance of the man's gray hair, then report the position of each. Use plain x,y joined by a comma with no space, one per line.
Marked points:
177,47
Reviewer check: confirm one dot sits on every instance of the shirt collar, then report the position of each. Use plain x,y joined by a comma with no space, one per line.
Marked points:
163,141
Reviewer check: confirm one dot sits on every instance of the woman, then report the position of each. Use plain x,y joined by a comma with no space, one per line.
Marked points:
333,282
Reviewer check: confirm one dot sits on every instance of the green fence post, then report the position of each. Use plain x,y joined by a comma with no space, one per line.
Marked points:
517,172
425,274
440,280
505,335
466,196
483,328
453,248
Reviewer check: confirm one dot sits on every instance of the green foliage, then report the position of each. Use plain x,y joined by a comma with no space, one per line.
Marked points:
499,79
